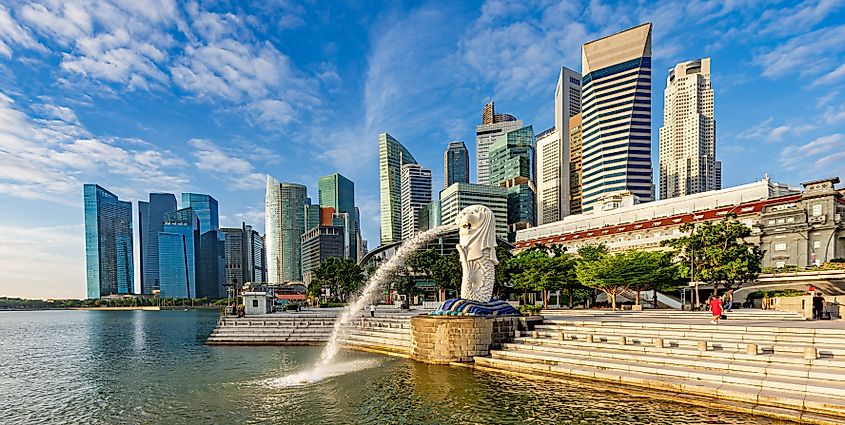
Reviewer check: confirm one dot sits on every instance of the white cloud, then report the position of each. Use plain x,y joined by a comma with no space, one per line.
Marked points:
50,157
131,45
814,156
766,132
225,164
807,54
832,76
801,18
12,34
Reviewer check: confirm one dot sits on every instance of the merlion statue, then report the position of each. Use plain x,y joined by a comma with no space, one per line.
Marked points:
477,249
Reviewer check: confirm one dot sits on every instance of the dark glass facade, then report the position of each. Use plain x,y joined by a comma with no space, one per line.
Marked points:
178,246
456,163
338,192
205,208
150,223
212,268
108,243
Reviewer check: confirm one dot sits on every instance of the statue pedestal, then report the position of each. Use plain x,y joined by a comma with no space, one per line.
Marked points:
446,339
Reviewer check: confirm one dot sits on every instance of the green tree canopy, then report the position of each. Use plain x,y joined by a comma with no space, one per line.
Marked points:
716,253
342,276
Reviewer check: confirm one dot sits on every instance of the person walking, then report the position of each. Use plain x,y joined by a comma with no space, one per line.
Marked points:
728,300
715,309
372,310
818,305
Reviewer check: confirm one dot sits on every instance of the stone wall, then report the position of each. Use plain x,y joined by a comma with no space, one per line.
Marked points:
446,339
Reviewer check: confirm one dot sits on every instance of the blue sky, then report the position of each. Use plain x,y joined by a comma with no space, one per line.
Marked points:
177,97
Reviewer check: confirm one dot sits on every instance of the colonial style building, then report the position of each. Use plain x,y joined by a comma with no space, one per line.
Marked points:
794,227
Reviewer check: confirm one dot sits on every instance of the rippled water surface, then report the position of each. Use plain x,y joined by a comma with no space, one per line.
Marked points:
152,367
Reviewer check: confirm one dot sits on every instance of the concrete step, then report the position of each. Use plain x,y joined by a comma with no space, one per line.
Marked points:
826,409
378,340
763,365
689,351
803,386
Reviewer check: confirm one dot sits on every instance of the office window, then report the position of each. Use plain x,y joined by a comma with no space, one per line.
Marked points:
817,244
780,246
255,303
817,210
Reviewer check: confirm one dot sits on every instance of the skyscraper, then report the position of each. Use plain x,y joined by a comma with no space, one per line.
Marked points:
416,192
338,192
244,248
458,196
318,244
108,243
205,207
616,116
688,137
150,222
493,124
455,163
511,167
284,221
392,156
575,166
553,151
212,265
178,258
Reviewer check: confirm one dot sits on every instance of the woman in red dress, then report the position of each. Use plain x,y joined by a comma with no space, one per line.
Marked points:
715,309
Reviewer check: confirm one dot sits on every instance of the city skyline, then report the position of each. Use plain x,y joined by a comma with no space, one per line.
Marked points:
79,121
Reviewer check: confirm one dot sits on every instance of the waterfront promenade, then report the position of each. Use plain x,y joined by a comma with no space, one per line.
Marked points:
765,363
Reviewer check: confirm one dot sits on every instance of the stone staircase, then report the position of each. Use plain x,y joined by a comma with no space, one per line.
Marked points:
279,329
791,372
385,335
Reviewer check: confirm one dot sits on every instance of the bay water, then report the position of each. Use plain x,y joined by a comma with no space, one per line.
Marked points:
145,367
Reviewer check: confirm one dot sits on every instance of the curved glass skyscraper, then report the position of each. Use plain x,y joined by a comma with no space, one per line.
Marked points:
391,157
284,221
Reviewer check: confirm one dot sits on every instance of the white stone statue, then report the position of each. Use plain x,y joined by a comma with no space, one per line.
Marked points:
477,248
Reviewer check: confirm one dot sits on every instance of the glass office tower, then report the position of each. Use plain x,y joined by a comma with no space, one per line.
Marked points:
150,223
178,245
205,207
108,243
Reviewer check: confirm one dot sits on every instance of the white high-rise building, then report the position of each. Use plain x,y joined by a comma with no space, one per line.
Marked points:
688,137
284,224
416,193
492,125
553,151
616,116
392,156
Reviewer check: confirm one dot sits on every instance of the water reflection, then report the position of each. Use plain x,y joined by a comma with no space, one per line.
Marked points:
151,367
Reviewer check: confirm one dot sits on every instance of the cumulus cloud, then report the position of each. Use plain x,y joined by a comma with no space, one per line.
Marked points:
807,54
766,131
225,164
50,156
817,155
157,44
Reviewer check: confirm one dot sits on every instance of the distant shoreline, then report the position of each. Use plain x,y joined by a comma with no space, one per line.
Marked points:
139,308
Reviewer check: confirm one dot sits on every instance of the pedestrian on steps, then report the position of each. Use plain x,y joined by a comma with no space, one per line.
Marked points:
372,310
728,300
715,309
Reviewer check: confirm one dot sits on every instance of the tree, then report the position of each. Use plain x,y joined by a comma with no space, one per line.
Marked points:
342,276
446,273
543,268
503,272
716,253
649,270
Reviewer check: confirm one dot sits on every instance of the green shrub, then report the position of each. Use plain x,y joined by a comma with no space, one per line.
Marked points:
779,293
529,309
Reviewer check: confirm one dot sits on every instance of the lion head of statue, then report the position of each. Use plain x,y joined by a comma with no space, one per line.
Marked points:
477,230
